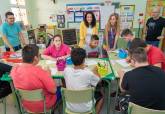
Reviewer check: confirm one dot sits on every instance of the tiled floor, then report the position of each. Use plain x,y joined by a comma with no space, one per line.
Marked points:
12,110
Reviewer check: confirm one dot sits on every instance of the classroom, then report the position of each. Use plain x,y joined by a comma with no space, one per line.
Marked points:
82,56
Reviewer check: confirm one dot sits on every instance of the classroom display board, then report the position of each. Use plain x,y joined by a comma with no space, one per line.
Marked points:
69,36
127,16
61,21
76,12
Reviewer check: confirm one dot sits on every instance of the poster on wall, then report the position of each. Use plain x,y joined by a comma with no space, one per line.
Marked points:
127,16
61,21
75,13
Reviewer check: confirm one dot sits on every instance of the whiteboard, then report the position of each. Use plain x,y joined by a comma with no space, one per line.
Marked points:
106,11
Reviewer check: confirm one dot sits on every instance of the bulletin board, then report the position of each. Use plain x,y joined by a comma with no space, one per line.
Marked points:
75,13
61,21
127,16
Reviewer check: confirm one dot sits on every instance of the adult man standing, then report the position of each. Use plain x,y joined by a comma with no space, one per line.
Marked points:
11,33
154,27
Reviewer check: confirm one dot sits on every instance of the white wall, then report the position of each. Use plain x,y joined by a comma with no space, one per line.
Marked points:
39,11
4,7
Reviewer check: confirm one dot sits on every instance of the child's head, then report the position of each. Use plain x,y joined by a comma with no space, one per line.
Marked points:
137,42
127,34
138,56
78,56
30,54
57,41
94,41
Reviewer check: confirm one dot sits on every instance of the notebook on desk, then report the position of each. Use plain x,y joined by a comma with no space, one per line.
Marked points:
122,62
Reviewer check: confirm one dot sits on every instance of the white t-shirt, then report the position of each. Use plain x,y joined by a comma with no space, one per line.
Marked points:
77,79
89,34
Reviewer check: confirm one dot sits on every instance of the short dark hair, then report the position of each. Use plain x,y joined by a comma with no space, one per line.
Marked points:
139,55
126,32
93,23
78,56
29,52
8,13
94,37
137,42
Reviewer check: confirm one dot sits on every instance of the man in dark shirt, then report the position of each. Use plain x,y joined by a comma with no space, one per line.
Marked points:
145,83
154,27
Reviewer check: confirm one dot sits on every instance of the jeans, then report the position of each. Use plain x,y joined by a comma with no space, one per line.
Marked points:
16,48
154,43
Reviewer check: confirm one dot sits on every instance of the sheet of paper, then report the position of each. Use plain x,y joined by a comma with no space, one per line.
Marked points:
126,69
122,62
112,62
16,55
115,51
50,62
53,71
90,62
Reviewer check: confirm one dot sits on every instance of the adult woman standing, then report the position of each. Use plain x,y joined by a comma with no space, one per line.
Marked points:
88,27
112,31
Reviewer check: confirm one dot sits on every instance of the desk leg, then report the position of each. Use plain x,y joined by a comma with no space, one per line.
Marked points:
117,91
4,104
15,98
107,95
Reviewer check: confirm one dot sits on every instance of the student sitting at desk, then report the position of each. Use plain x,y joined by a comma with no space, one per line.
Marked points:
93,49
79,77
28,76
5,88
145,83
128,36
155,56
57,50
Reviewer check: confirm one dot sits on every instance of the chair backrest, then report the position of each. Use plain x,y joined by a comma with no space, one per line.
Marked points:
78,96
136,109
31,95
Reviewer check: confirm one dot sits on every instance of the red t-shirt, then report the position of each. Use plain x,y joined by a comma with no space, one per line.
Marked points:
155,55
30,77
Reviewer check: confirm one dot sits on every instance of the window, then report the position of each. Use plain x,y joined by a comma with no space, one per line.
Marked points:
19,10
20,14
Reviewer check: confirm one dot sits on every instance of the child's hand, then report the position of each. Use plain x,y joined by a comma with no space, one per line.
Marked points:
113,49
128,59
59,58
95,71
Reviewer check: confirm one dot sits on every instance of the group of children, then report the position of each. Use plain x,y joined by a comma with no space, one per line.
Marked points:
29,76
79,76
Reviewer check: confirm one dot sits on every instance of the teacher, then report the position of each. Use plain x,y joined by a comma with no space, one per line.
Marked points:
11,33
88,28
